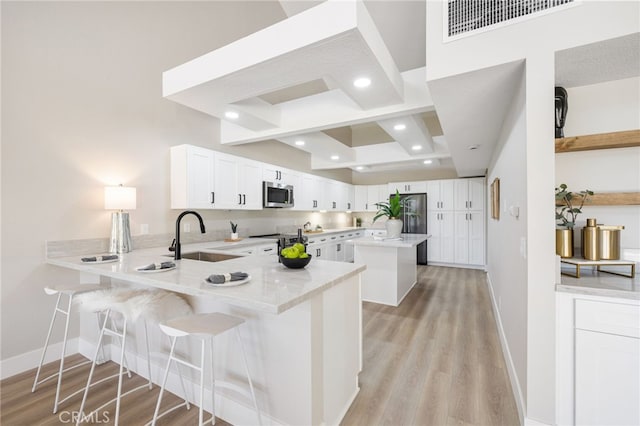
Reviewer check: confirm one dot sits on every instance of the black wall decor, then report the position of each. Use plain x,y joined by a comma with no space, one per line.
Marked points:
561,110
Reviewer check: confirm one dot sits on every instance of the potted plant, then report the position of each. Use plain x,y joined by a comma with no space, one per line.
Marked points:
392,210
568,207
234,230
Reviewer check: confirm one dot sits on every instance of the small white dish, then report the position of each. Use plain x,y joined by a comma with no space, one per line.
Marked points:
94,262
152,271
229,283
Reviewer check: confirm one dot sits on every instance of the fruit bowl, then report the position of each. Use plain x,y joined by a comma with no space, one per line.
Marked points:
296,262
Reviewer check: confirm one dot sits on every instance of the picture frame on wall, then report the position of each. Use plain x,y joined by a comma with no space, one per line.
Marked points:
495,199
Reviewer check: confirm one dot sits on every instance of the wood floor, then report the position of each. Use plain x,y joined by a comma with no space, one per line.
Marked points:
433,361
436,359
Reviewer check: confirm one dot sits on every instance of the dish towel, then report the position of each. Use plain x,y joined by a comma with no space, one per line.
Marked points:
154,266
100,258
223,278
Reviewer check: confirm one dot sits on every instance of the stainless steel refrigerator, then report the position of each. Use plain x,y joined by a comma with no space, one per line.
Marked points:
414,218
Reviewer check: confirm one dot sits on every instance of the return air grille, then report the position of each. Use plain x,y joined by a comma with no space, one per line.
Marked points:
469,15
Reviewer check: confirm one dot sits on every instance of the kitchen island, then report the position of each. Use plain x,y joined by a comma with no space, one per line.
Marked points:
391,267
303,330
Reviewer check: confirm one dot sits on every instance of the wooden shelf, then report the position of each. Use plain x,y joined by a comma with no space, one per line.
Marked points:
625,139
613,199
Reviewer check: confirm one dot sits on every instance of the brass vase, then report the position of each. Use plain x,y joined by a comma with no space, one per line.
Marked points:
564,242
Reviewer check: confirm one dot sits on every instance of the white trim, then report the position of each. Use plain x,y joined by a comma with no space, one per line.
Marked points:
531,422
458,265
513,377
29,360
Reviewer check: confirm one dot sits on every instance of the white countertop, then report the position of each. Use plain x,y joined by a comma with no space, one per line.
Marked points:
594,283
273,287
406,241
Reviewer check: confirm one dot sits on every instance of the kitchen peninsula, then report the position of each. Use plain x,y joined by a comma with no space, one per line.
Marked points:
303,327
391,266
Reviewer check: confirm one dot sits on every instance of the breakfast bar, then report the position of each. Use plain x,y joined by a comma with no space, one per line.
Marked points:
303,328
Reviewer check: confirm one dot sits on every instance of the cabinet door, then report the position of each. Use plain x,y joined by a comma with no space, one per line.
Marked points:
461,193
360,198
447,237
446,194
433,195
476,194
461,244
434,243
351,197
271,173
476,237
226,182
373,197
607,379
200,179
305,197
250,184
332,190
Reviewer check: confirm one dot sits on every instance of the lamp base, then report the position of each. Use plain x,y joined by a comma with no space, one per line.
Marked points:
120,233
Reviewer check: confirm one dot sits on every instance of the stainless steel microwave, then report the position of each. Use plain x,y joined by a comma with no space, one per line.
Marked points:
277,195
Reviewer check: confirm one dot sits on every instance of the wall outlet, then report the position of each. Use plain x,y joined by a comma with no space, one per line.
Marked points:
144,229
186,227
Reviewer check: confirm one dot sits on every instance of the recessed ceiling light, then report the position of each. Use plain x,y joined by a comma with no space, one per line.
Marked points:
300,143
335,157
427,161
416,147
231,115
400,126
362,82
472,147
359,168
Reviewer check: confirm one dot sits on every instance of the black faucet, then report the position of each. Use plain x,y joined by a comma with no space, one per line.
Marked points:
178,254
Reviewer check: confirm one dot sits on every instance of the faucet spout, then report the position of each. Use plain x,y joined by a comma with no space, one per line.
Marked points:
178,252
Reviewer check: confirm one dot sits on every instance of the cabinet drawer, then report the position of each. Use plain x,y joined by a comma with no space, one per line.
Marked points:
605,317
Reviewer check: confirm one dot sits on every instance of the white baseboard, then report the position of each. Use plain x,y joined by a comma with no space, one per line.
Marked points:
29,360
531,422
513,377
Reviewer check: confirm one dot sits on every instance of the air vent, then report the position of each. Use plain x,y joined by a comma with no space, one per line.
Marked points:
465,16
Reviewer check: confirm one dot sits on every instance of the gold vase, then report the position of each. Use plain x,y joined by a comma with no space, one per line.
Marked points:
564,242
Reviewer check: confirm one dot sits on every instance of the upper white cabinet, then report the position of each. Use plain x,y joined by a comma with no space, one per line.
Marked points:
310,193
192,177
376,194
408,187
271,173
469,194
440,194
360,198
205,179
351,197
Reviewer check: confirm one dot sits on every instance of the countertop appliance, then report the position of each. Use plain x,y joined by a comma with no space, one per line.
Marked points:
277,195
415,223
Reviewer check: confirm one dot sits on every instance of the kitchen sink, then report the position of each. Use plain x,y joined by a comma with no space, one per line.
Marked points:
208,257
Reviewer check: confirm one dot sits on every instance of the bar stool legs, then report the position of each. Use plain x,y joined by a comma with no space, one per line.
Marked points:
70,292
205,327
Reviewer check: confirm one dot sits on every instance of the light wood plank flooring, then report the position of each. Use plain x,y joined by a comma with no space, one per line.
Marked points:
433,361
436,359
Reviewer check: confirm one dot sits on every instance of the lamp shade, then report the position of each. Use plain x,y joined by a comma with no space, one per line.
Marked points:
119,198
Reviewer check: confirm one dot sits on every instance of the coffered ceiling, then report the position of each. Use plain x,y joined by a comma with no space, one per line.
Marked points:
341,80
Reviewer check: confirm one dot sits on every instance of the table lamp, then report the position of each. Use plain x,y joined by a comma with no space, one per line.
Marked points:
120,198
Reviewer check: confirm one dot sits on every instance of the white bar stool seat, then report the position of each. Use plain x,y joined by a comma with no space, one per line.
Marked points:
131,304
70,290
204,327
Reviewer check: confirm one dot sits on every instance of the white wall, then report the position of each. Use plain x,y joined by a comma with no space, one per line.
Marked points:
599,108
506,267
82,108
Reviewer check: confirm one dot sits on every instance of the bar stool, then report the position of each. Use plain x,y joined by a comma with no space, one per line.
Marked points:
204,327
70,291
131,305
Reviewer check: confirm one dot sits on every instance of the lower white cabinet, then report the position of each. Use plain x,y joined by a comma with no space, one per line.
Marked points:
598,360
441,227
469,238
333,246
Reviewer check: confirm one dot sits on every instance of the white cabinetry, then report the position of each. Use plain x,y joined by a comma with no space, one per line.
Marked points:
440,195
310,195
360,197
238,183
407,187
376,194
276,174
192,177
440,246
598,360
469,238
469,194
